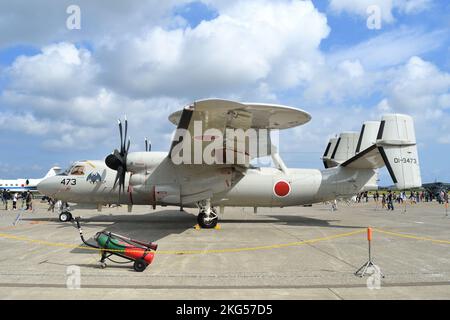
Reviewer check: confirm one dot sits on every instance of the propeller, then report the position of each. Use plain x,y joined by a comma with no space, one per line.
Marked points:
117,161
148,145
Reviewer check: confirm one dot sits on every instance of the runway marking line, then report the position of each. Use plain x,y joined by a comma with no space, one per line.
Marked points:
409,236
228,250
191,252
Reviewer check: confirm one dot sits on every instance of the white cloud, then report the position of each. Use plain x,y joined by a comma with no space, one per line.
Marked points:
60,70
250,43
418,86
24,123
413,6
387,7
421,89
56,94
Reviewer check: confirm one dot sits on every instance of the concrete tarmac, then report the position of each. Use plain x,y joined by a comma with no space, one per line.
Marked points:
288,253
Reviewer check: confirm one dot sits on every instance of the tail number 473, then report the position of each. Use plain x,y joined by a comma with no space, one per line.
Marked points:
67,182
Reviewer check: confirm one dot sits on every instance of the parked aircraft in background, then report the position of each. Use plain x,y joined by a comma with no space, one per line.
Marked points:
211,169
21,185
436,187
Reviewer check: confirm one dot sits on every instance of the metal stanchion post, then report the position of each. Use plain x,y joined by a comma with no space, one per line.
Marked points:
362,271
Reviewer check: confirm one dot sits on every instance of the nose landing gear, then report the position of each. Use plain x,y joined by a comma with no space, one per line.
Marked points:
65,216
64,213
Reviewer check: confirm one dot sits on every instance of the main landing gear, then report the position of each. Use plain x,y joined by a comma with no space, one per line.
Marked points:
207,217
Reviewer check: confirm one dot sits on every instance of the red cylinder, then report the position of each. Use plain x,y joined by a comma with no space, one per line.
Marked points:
137,253
369,234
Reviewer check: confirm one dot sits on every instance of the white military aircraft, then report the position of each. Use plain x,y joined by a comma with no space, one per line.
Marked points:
21,185
211,168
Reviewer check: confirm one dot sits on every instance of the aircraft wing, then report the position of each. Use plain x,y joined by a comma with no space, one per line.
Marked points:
220,122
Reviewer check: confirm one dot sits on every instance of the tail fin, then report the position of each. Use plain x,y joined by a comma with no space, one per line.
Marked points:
368,135
395,148
52,172
340,149
328,152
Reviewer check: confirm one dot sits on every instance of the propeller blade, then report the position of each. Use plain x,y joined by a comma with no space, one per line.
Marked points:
115,180
146,145
128,146
126,133
121,136
118,159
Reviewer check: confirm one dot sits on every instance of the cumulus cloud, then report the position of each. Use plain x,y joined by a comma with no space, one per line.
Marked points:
60,70
251,49
421,89
419,86
250,43
56,94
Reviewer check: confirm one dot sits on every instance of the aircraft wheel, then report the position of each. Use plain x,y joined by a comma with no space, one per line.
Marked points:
102,265
206,223
140,265
65,217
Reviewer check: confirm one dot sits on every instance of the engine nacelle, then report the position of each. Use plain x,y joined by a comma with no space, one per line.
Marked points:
138,179
144,161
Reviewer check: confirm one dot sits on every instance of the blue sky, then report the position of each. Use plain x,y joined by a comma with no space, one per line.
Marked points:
62,90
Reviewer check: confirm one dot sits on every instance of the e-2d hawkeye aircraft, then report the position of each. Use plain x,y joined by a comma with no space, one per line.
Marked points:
156,178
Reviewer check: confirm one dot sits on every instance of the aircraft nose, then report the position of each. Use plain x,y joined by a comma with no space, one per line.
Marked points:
47,187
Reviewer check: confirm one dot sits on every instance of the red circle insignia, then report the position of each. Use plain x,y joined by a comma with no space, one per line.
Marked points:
282,188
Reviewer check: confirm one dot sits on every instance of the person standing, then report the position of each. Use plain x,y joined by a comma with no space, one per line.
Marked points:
2,196
441,197
383,201
51,203
5,198
24,198
29,201
15,198
390,201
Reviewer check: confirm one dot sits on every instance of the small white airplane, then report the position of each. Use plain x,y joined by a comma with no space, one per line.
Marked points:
208,165
21,185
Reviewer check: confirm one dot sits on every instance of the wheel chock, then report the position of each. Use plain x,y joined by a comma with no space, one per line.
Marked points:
217,227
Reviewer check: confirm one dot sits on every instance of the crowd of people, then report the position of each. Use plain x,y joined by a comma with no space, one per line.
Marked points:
389,198
14,197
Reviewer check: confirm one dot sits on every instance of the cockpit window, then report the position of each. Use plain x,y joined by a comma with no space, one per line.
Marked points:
77,171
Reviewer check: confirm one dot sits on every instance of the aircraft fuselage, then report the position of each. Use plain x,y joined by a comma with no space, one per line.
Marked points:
155,180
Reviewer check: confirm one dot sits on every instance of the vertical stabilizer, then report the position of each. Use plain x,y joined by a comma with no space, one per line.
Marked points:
52,172
396,141
346,146
328,152
368,135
